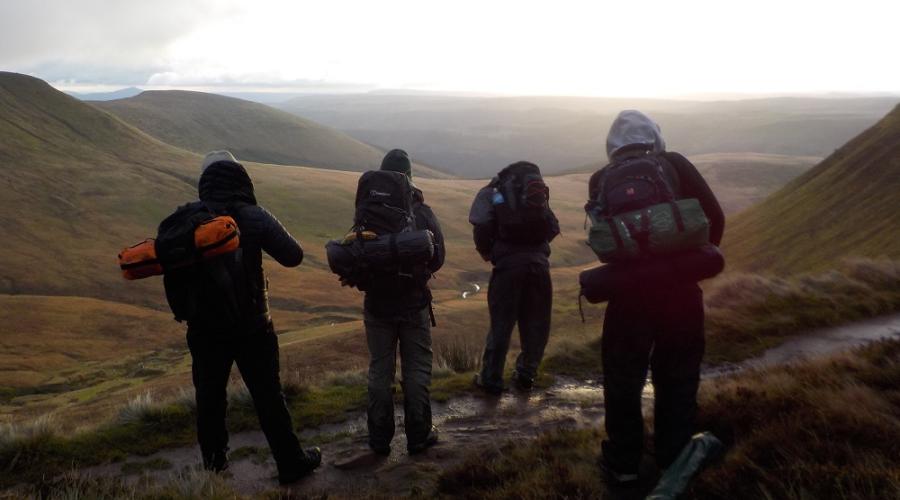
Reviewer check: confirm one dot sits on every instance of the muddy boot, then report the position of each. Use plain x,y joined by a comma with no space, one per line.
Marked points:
308,462
429,441
522,383
380,449
487,389
216,461
617,478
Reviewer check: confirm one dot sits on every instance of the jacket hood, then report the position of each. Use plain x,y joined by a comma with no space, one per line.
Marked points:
214,156
633,130
226,182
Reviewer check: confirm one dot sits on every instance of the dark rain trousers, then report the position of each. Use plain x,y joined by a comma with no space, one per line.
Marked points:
662,330
520,294
412,331
256,355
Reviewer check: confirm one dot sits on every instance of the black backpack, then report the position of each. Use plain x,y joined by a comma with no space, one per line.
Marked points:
521,203
214,290
633,183
384,203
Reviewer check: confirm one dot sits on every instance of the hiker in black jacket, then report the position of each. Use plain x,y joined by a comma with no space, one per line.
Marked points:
398,311
520,290
648,325
216,341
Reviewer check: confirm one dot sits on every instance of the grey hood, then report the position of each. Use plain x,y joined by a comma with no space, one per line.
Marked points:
632,128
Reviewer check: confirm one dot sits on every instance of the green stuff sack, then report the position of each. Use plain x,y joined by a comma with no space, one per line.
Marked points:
659,229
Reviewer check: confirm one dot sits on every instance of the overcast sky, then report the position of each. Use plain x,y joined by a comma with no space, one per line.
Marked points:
647,48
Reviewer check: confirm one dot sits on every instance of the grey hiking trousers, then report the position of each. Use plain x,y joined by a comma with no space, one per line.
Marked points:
412,331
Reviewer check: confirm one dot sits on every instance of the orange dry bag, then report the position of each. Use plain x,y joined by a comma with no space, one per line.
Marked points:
216,236
139,261
212,237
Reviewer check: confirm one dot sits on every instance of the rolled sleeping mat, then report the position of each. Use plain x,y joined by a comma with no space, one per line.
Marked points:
411,247
601,283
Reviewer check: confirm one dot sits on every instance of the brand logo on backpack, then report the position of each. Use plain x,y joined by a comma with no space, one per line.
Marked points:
379,194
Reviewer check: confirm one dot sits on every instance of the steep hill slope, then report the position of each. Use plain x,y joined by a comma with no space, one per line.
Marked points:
845,206
201,122
77,184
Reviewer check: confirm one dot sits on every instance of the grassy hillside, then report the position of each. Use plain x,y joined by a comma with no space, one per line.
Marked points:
471,136
845,206
79,184
202,122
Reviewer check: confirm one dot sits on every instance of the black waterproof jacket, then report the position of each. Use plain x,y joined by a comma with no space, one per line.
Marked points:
391,295
226,187
505,254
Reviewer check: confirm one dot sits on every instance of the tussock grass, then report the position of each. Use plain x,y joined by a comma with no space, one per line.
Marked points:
748,313
823,429
137,408
820,429
185,485
459,353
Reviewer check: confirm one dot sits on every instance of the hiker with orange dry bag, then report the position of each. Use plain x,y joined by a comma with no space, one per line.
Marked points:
210,252
657,225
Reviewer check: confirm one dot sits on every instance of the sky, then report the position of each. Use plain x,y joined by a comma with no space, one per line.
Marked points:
652,48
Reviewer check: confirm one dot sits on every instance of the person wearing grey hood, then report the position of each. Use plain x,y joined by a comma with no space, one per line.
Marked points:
650,326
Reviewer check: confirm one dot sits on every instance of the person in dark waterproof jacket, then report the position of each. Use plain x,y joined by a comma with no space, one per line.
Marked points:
398,311
520,292
652,326
217,342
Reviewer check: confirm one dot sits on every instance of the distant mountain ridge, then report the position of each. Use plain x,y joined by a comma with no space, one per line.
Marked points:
201,122
846,206
476,136
107,96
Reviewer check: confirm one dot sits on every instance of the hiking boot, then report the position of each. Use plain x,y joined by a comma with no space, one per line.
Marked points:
522,383
309,461
382,449
615,477
429,441
487,389
216,461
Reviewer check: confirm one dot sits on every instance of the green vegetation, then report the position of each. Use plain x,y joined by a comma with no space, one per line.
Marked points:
749,313
845,206
813,430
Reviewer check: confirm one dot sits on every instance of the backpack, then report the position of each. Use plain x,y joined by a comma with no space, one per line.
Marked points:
634,211
384,203
196,284
521,204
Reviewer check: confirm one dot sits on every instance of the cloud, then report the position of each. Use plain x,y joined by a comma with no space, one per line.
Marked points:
97,40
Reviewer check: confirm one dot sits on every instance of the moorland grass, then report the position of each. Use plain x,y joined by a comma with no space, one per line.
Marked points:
820,429
749,313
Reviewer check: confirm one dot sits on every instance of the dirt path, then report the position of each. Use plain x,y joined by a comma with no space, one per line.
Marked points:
465,423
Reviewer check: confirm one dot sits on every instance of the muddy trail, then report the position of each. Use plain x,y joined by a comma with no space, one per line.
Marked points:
466,423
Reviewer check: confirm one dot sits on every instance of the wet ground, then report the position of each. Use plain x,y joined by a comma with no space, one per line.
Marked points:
465,424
